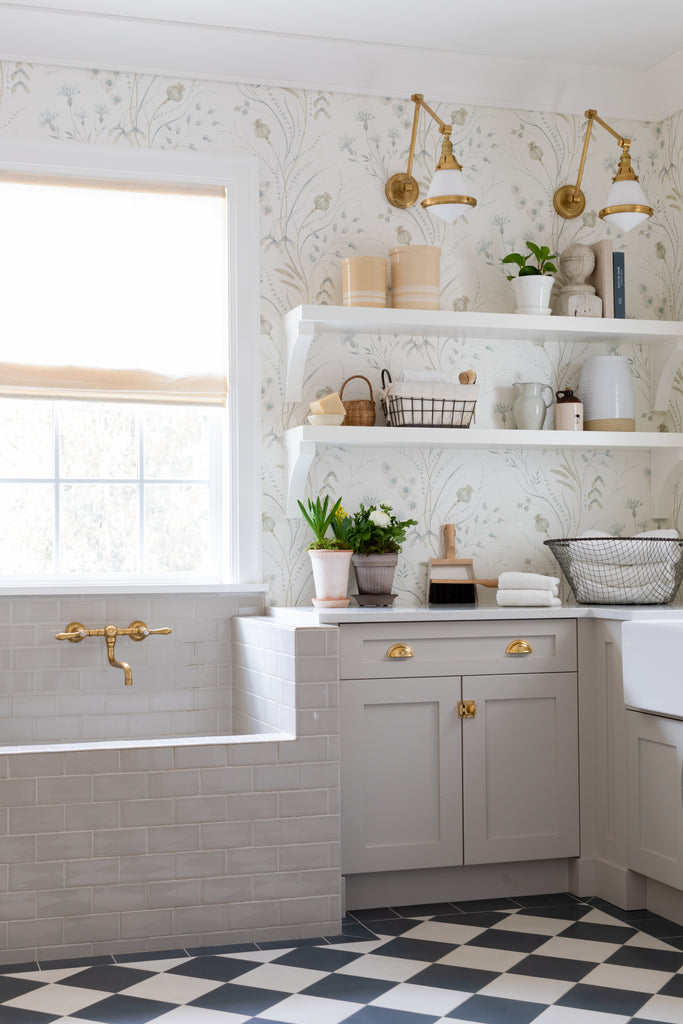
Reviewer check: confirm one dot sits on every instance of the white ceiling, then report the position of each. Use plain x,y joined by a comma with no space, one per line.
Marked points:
621,56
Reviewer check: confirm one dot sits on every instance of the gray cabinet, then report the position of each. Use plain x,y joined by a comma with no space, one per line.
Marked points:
654,760
401,774
520,768
442,769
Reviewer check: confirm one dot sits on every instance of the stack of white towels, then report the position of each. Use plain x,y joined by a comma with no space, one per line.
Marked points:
527,590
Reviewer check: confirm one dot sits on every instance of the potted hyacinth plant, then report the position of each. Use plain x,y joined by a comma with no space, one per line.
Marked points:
330,556
375,534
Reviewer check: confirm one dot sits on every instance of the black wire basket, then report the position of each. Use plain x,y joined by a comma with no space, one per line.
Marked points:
404,406
620,570
427,412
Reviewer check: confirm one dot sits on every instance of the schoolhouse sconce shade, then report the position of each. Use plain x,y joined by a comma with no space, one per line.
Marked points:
626,203
446,197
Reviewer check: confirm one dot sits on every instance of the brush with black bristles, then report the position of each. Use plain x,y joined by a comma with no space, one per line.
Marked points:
451,579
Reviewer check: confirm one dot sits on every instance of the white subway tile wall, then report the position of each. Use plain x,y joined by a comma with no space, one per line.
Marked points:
159,846
59,692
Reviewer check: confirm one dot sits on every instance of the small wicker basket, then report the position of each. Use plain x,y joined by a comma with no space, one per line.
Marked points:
360,412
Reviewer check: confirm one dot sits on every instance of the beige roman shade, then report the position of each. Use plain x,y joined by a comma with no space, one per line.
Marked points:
113,291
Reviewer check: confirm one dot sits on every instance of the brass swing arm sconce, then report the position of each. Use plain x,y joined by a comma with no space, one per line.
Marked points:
626,203
76,631
402,190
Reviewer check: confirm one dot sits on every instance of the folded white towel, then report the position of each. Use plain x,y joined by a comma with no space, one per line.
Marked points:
623,550
606,574
595,593
656,534
527,581
526,599
424,376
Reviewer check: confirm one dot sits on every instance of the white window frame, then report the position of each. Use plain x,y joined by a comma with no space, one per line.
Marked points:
239,174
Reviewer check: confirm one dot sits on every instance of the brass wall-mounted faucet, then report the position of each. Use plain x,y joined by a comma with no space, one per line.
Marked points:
76,631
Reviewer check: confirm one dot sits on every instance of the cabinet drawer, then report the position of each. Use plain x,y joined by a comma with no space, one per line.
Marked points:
456,648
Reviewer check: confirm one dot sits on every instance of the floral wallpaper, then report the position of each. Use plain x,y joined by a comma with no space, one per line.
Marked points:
324,158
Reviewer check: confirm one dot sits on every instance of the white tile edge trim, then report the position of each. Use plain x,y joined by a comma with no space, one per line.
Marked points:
167,589
171,741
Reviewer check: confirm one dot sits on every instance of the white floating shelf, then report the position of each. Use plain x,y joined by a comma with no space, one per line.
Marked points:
304,323
303,443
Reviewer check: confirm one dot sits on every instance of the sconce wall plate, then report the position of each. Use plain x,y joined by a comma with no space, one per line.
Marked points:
402,190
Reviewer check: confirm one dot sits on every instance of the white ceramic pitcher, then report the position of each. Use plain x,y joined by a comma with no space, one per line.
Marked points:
529,407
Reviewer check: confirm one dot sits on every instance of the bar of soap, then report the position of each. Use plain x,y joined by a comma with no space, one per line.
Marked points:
328,405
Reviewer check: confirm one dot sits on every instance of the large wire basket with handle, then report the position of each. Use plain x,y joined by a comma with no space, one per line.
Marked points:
620,570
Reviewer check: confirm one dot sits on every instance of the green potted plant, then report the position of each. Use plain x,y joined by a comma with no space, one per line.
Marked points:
330,556
376,534
533,282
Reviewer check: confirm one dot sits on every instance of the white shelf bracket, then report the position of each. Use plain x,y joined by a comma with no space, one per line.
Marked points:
665,360
300,455
667,468
299,337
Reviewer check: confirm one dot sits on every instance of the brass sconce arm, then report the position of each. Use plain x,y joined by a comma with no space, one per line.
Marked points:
76,631
569,201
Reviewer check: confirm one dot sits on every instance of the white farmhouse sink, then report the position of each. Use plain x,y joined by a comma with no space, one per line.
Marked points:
652,657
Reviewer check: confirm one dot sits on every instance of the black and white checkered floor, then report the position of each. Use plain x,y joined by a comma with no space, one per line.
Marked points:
550,959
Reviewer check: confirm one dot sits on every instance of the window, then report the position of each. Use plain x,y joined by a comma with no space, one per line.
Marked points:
128,387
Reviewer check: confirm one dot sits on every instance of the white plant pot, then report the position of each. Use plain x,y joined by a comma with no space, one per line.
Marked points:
532,294
331,577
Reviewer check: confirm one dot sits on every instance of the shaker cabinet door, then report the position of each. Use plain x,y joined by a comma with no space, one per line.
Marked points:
520,768
401,774
654,760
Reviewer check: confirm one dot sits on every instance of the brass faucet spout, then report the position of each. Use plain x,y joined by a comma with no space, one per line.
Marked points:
110,634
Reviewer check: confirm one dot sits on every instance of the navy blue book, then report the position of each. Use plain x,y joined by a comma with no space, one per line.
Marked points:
619,285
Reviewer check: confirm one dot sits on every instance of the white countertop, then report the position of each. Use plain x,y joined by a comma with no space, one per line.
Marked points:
309,616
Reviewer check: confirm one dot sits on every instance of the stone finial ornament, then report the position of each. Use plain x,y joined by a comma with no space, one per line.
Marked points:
577,298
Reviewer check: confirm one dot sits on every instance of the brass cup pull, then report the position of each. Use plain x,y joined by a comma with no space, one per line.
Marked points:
519,647
400,651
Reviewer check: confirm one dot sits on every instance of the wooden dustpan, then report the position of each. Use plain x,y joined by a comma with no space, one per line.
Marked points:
451,579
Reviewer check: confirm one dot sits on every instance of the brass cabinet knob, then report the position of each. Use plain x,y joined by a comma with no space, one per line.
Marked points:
519,647
400,651
467,709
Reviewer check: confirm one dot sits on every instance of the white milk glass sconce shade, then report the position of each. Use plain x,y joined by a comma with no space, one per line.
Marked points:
447,197
626,205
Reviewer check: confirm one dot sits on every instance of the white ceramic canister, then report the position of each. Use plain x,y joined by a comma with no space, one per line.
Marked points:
568,411
364,281
606,390
415,277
